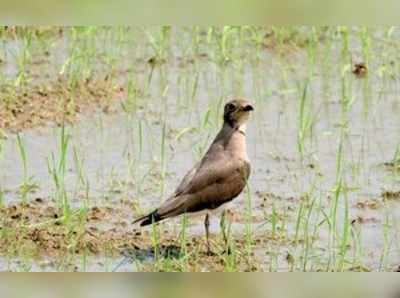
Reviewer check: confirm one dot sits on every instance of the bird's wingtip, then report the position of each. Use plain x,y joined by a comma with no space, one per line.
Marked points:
138,220
147,219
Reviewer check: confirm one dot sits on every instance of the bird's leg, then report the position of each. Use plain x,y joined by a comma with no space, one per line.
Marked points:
207,225
222,224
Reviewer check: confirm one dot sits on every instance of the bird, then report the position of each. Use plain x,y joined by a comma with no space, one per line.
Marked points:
218,178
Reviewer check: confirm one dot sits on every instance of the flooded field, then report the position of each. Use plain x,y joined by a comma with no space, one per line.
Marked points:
98,126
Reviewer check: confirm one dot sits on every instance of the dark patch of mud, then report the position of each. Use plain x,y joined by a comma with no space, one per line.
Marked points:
391,195
391,166
360,69
369,204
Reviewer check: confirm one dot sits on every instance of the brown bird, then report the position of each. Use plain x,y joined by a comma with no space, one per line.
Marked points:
218,178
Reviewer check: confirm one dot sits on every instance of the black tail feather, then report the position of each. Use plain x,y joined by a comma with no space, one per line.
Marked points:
146,220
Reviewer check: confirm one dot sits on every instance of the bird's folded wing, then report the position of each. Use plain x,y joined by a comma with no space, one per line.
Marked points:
207,187
219,192
210,172
186,180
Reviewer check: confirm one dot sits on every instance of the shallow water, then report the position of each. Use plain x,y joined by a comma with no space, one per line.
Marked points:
122,153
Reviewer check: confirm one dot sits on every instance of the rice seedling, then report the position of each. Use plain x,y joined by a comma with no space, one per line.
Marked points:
78,67
57,169
163,159
28,185
1,197
160,43
248,226
305,120
23,57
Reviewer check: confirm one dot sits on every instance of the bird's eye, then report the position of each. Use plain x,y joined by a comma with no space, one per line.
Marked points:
230,107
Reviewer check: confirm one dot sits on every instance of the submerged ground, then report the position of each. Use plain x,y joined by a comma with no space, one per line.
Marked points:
98,125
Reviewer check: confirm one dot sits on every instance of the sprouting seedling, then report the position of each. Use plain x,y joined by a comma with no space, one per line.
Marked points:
1,197
274,221
224,48
23,57
130,104
345,53
396,156
307,237
155,240
79,162
226,31
27,184
366,44
163,157
248,226
299,217
312,51
183,238
58,170
345,235
225,227
195,86
230,260
358,253
305,120
386,231
140,143
159,43
78,66
21,147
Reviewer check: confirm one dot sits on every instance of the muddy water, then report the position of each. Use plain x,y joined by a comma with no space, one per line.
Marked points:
122,155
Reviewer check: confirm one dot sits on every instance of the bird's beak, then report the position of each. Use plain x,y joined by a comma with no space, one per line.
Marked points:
248,108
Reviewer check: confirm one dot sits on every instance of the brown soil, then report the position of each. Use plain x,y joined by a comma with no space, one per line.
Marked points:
53,102
391,195
360,70
37,229
369,204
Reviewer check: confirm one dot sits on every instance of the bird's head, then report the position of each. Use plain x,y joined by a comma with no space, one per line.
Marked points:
237,112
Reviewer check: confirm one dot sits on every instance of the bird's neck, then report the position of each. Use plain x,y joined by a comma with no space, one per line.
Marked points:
229,128
234,138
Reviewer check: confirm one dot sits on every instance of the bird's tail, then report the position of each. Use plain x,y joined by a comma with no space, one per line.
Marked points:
148,219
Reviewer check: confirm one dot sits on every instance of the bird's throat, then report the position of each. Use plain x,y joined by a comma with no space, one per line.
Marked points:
242,129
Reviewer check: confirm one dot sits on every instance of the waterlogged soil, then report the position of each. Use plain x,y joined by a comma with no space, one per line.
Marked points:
122,164
38,229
